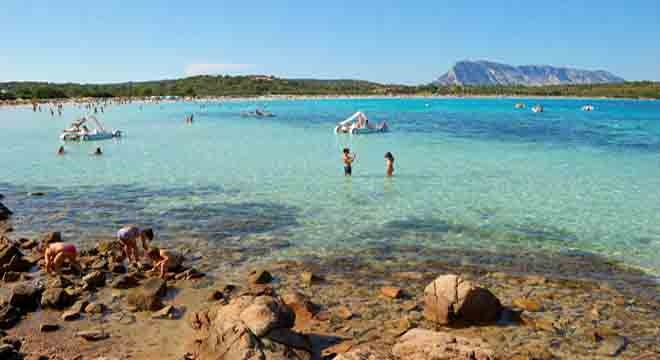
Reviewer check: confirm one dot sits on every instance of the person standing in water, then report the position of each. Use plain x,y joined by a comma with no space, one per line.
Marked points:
348,162
389,163
60,151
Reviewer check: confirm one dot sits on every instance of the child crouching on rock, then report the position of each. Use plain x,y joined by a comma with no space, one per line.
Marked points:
57,253
164,260
128,236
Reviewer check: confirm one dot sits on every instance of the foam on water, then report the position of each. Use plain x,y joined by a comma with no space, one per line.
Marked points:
469,173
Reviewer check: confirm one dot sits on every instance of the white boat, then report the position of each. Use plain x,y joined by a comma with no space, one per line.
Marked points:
80,132
358,124
588,108
537,109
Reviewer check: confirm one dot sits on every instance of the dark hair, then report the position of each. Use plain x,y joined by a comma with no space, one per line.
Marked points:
346,150
148,233
388,155
153,252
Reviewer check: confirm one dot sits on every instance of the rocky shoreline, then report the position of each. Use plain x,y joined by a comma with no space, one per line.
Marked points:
363,306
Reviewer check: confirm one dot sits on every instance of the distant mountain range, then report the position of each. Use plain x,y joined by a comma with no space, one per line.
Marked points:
491,73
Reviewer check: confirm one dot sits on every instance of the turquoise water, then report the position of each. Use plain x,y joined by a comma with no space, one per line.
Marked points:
470,174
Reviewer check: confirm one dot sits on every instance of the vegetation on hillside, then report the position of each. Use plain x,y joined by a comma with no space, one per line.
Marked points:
267,85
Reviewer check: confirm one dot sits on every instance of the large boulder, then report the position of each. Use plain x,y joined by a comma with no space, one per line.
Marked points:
421,344
25,297
451,297
147,297
5,213
250,327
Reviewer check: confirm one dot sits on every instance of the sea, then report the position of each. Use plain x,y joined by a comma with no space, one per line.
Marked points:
470,175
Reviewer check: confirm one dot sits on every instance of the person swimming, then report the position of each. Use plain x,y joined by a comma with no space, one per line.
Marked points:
60,151
57,253
389,163
348,161
97,152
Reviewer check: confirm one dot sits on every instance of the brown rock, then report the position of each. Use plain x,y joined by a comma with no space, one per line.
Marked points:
94,308
95,279
341,348
93,335
420,344
147,297
25,297
259,277
309,278
526,304
449,297
391,292
364,353
301,306
344,313
49,327
70,315
55,298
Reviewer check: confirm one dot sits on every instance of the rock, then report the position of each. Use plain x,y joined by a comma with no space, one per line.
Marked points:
301,306
95,279
9,316
94,308
363,354
125,281
49,327
99,264
147,297
266,313
11,276
391,292
165,313
309,278
25,297
290,338
27,244
5,213
59,282
51,237
55,298
450,297
70,315
421,344
15,342
612,346
11,259
93,335
260,277
7,352
117,268
344,313
526,304
36,193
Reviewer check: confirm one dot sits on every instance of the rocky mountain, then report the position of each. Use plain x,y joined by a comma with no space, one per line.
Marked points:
491,73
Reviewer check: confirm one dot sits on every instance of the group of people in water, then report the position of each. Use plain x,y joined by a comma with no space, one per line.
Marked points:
162,260
96,152
349,158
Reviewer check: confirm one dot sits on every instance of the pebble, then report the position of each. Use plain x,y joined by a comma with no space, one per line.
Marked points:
392,292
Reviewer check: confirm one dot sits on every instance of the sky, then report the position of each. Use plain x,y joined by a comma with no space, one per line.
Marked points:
409,42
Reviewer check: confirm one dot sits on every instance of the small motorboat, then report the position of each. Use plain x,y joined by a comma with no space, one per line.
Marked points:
358,124
537,108
588,107
78,131
257,113
520,106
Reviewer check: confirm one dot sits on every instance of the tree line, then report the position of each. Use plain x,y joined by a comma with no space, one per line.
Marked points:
241,86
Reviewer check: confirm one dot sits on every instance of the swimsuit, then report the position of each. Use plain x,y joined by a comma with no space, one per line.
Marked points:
127,233
69,248
347,170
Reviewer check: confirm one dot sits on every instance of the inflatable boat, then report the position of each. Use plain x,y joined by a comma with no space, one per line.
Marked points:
78,131
358,124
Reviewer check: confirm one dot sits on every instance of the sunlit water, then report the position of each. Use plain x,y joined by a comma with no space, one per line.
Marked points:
470,173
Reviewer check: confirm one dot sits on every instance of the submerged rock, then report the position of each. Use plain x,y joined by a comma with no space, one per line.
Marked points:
147,297
259,277
450,297
25,297
420,344
56,298
11,259
5,213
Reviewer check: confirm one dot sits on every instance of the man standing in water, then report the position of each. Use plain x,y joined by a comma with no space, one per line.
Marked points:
348,162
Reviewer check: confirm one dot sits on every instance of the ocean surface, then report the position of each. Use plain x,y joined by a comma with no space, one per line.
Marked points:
472,174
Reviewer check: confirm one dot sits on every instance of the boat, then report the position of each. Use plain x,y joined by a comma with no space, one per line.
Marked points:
537,108
257,113
78,131
358,124
520,106
588,107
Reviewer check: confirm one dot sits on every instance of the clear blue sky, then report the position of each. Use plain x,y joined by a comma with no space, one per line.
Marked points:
387,41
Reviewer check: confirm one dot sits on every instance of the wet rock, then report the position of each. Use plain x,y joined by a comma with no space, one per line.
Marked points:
147,297
9,316
55,298
93,335
5,213
612,346
310,278
11,276
49,327
125,281
95,279
99,264
531,305
420,344
344,313
301,306
259,277
25,297
189,274
450,297
391,292
11,259
59,282
94,308
27,244
70,315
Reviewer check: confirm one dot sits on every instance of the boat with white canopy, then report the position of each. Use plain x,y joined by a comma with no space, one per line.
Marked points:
80,132
358,123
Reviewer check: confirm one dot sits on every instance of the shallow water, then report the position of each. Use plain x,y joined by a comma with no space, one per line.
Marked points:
470,174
